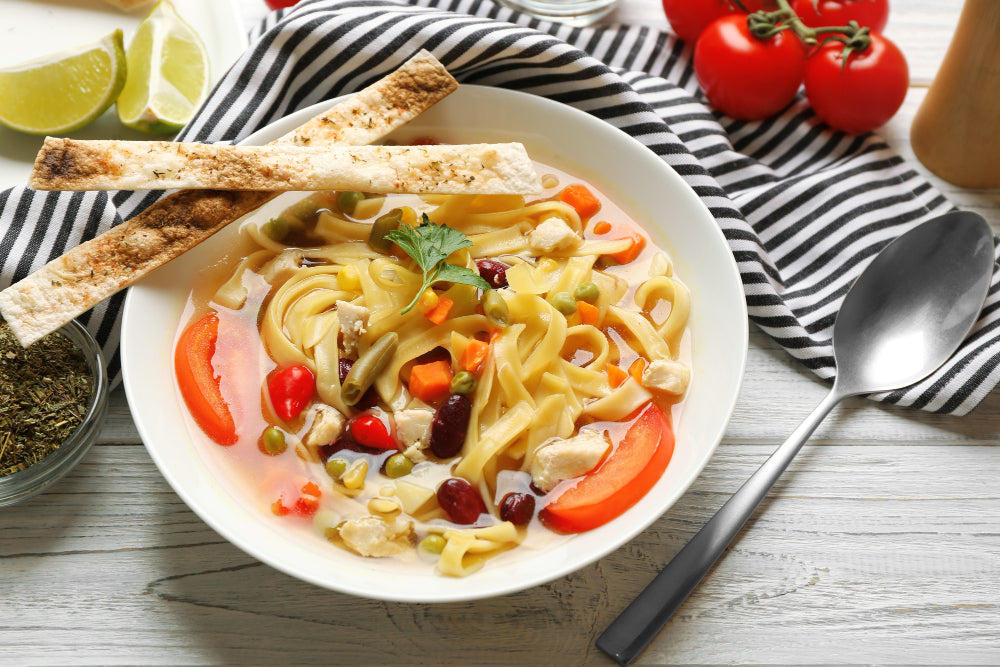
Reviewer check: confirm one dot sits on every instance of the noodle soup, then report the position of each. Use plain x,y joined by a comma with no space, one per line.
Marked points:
526,394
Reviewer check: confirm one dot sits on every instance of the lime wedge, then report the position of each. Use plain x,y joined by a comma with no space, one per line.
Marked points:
167,73
64,91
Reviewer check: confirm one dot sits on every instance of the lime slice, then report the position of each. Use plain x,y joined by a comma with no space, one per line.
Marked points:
167,73
64,91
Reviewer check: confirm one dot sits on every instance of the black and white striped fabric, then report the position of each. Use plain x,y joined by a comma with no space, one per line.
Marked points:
803,208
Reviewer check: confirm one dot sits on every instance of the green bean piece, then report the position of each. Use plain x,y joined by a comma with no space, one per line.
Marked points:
336,467
382,226
433,544
588,292
397,465
464,382
366,369
305,210
495,309
564,303
275,228
347,200
272,441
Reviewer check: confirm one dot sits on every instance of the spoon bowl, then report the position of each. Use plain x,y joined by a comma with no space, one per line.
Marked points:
903,318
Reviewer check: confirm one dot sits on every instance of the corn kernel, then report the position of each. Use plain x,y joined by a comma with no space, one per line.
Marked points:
548,265
349,279
428,301
354,478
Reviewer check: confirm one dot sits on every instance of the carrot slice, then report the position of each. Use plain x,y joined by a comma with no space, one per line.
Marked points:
431,381
631,252
589,313
636,368
474,355
625,476
581,199
603,227
616,376
439,313
198,382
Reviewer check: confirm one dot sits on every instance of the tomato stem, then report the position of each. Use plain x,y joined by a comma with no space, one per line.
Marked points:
764,25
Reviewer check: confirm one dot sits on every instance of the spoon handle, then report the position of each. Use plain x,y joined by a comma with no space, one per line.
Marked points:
642,620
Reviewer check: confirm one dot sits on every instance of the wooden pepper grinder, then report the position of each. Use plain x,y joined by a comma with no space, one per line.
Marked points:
956,132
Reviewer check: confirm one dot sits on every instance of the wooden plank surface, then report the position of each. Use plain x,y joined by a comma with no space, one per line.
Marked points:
880,545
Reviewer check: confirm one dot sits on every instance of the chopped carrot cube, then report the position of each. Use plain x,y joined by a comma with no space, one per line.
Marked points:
589,313
311,489
439,313
603,227
581,199
616,376
431,381
496,333
631,252
474,355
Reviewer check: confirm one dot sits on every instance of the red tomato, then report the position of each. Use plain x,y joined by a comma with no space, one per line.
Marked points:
871,13
290,390
745,77
624,477
278,4
863,95
689,18
370,431
198,382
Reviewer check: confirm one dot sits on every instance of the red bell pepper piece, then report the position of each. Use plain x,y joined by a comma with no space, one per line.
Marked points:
198,382
290,390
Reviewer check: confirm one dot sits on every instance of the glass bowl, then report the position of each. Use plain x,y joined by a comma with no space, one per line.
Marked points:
38,477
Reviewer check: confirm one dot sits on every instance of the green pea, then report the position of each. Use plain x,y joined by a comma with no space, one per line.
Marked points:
433,544
272,441
397,465
336,467
588,292
382,226
495,309
464,382
275,228
564,303
347,200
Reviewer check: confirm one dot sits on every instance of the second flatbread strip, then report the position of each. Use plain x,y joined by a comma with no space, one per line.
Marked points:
83,277
70,164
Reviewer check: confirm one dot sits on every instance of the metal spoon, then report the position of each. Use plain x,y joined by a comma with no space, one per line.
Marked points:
902,319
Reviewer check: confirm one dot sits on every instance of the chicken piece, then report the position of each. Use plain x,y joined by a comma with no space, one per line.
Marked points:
567,458
376,537
412,430
667,376
326,426
553,234
353,324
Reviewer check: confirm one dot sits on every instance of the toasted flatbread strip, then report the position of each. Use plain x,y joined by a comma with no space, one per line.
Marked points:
93,271
68,164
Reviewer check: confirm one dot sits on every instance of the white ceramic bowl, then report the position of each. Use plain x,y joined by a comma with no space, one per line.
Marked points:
622,168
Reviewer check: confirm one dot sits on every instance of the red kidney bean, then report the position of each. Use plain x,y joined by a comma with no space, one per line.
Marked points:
437,354
517,507
449,426
460,501
370,397
493,272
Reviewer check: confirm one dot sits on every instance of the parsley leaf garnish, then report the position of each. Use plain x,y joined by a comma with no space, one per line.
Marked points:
429,245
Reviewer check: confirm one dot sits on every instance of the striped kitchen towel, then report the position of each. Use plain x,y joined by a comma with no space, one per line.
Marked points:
803,207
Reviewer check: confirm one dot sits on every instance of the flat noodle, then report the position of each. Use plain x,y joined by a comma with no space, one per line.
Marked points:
74,164
83,277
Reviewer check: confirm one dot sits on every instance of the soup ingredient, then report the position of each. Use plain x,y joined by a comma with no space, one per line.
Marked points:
44,391
744,76
588,314
473,356
450,425
198,382
433,544
588,292
370,431
64,91
518,508
383,225
430,382
871,13
364,371
857,88
616,376
369,398
291,389
495,309
493,272
460,501
347,200
272,441
581,199
430,245
336,467
398,465
439,313
624,477
168,73
564,303
101,267
634,249
464,382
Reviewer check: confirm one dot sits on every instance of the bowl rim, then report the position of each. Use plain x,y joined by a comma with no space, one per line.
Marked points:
727,403
37,478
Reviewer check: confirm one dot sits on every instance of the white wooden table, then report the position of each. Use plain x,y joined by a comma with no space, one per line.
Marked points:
880,545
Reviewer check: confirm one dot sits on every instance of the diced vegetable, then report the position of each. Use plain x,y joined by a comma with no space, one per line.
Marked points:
624,477
636,368
581,199
589,314
369,431
630,253
474,355
290,390
603,227
431,382
198,382
463,383
440,312
616,376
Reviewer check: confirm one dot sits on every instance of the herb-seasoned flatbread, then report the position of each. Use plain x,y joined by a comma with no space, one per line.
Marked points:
93,271
69,164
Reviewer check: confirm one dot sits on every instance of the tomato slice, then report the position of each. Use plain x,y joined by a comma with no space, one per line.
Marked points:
198,382
624,477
